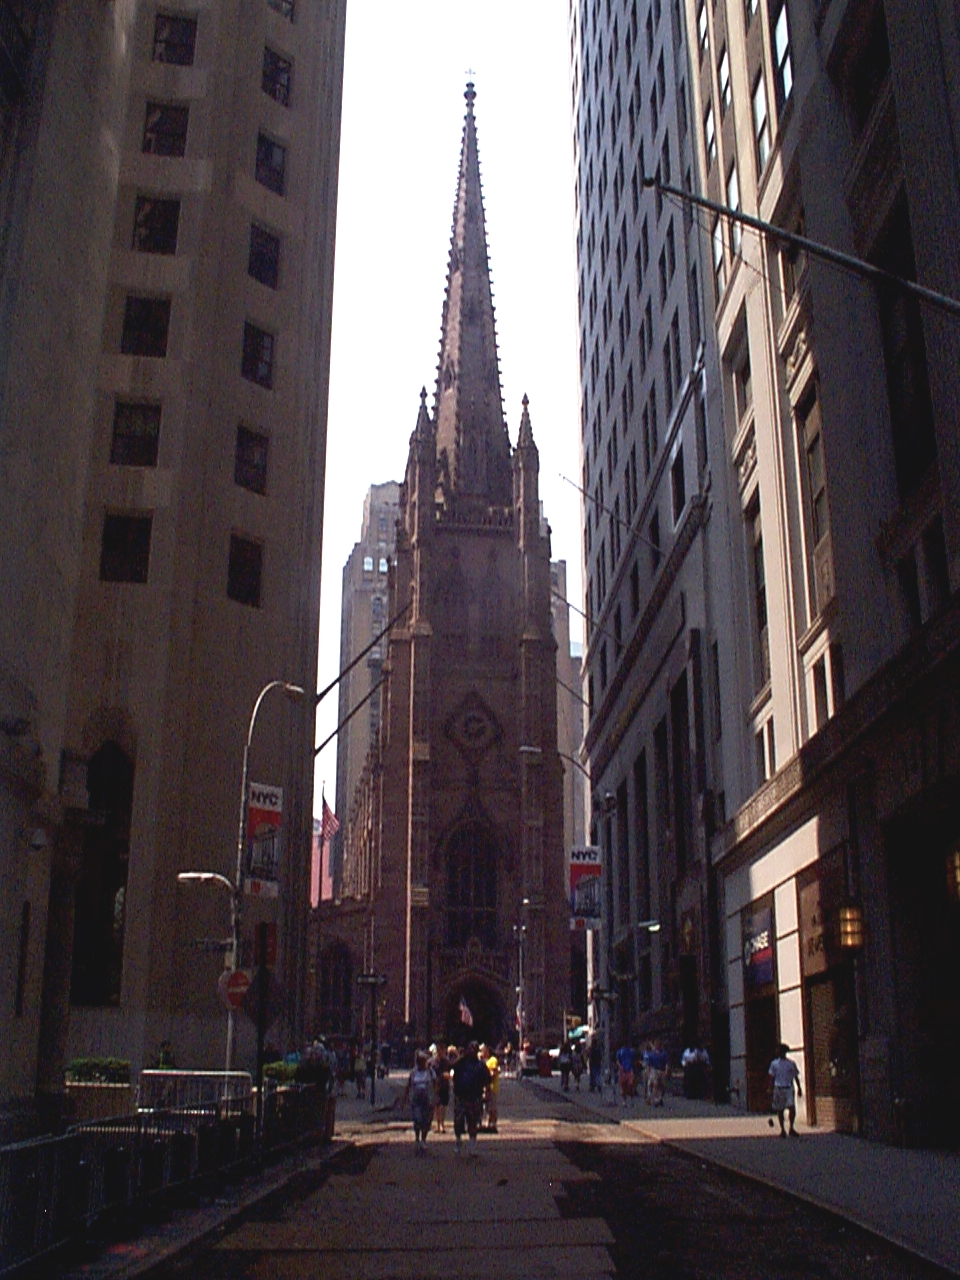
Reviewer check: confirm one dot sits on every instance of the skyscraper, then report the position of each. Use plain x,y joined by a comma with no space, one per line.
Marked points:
653,539
170,180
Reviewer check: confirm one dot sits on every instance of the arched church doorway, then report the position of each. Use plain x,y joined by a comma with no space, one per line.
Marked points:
484,1006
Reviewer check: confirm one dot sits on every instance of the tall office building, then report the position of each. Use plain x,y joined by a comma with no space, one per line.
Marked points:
363,615
169,188
654,540
840,867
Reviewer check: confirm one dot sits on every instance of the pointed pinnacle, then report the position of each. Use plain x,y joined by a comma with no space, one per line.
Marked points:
470,94
525,436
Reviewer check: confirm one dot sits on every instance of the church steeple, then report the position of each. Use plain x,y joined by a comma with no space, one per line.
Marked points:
469,408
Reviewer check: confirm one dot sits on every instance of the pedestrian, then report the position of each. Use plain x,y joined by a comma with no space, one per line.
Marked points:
493,1088
420,1094
360,1072
657,1064
442,1085
625,1075
470,1079
565,1063
784,1076
576,1064
595,1062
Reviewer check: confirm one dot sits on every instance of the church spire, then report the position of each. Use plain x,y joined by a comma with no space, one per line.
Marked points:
469,409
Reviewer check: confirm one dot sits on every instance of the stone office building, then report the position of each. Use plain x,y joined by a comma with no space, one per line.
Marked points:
840,865
169,188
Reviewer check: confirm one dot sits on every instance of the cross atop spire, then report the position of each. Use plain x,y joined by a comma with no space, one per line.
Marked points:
469,412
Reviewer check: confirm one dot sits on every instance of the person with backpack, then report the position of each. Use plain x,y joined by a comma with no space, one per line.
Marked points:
420,1094
470,1080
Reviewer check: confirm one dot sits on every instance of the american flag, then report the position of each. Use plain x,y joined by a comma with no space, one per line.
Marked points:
321,881
466,1017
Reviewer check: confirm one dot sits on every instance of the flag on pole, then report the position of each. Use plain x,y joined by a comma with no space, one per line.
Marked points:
466,1017
329,826
321,878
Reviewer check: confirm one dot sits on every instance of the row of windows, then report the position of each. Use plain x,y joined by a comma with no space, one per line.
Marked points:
125,556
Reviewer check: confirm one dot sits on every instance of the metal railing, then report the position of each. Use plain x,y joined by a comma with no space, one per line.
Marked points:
104,1174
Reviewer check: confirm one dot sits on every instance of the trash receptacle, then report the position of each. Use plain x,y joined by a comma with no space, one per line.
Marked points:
544,1067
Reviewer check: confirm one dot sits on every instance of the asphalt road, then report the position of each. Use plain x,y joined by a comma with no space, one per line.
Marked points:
556,1193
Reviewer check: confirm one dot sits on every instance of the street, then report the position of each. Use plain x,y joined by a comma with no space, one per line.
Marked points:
558,1192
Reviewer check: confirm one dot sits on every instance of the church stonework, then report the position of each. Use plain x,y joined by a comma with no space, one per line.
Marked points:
471,812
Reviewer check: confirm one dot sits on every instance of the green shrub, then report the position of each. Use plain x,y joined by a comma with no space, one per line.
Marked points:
98,1071
282,1072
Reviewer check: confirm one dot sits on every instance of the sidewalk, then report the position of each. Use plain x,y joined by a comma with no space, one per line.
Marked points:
911,1198
157,1245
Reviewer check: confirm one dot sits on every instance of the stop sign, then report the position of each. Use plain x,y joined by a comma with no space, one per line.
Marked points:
233,987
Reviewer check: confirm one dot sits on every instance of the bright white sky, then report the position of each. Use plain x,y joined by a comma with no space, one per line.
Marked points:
405,72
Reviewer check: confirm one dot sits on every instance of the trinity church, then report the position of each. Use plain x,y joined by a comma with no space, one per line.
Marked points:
453,877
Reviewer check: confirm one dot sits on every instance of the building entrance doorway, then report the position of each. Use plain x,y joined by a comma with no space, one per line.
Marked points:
762,1039
484,1007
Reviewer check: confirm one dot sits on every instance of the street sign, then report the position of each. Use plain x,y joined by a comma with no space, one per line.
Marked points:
371,979
233,987
221,945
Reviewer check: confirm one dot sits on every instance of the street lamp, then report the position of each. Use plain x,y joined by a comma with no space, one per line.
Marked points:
520,933
235,887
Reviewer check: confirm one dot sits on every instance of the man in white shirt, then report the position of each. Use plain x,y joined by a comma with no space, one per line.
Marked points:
783,1077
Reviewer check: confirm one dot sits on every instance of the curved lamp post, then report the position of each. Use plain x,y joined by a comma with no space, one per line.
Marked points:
236,888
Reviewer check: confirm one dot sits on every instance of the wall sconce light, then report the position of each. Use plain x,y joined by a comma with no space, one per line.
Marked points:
851,926
953,873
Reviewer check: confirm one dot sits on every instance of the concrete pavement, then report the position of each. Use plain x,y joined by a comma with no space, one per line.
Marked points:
911,1198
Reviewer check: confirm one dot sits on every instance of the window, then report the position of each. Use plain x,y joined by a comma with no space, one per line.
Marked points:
652,403
472,858
136,434
271,164
761,123
244,571
667,376
868,74
761,634
702,36
719,266
275,81
783,69
283,7
155,225
675,344
710,135
368,564
264,260
678,486
723,72
742,381
257,364
810,422
174,39
250,460
146,324
125,549
821,710
653,541
663,275
382,565
733,202
752,7
165,129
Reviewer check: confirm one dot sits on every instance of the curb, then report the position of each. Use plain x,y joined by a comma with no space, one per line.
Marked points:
679,1144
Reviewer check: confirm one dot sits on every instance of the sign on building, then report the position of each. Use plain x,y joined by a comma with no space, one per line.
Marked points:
264,831
585,887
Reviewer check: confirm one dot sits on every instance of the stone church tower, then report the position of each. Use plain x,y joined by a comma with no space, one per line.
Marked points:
471,803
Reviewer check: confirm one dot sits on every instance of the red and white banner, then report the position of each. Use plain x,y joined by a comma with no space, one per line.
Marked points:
264,832
585,892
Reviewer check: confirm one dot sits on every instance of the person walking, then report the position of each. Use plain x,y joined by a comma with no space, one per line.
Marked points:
493,1088
576,1064
420,1094
360,1072
595,1061
470,1079
565,1063
625,1073
784,1077
442,1084
657,1063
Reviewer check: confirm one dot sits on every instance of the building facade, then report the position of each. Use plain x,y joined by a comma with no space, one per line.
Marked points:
363,616
170,183
839,864
456,834
654,535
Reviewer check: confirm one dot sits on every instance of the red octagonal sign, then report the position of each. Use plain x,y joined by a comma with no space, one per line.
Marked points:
233,987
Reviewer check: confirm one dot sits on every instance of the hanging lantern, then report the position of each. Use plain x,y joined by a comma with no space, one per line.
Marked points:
953,874
851,926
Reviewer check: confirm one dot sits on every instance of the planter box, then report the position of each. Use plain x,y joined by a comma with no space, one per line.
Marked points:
95,1101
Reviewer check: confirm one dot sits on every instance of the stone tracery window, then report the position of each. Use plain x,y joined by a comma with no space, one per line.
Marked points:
472,886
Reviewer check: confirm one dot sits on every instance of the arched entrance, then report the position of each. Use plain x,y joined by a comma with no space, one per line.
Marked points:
489,1023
